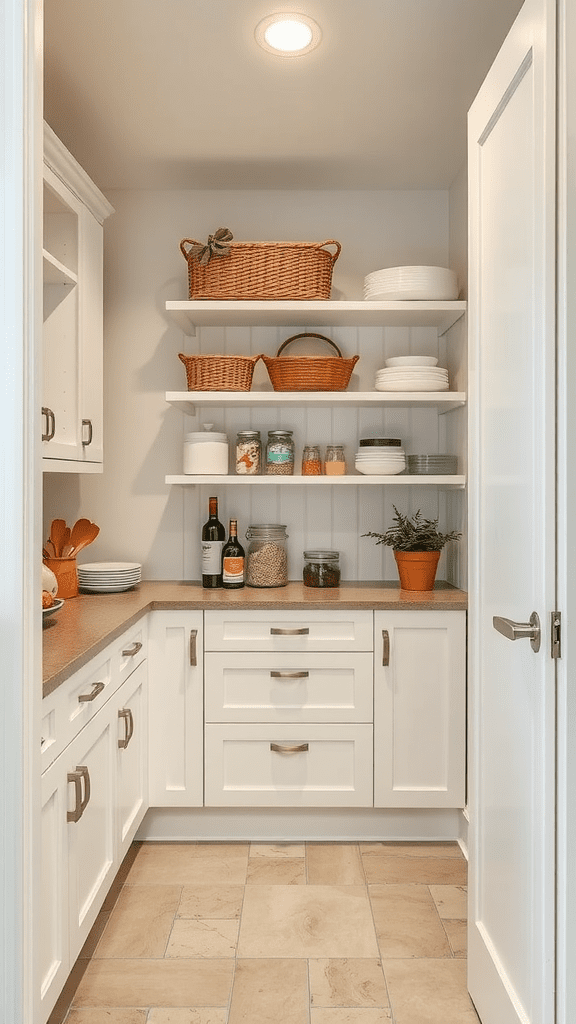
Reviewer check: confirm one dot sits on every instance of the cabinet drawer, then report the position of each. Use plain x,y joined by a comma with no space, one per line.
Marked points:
289,631
283,687
333,768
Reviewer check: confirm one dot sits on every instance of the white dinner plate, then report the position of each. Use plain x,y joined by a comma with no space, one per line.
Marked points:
109,566
413,387
114,589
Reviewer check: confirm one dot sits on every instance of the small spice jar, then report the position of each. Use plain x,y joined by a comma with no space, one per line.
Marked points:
334,460
311,462
280,453
266,557
248,452
321,569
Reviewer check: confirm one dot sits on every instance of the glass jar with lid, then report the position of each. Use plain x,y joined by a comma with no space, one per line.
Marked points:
280,453
335,460
266,557
321,569
248,452
311,462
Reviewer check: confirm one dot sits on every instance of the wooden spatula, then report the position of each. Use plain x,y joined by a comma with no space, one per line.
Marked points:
57,534
83,533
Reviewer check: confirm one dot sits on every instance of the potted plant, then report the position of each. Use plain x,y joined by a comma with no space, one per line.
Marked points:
417,543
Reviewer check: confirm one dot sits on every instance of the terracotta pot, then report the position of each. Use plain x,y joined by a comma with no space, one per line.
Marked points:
66,575
417,569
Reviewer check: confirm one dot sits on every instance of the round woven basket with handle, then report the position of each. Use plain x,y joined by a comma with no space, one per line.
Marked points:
309,373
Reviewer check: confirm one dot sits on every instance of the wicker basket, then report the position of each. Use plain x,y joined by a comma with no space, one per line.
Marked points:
310,373
219,373
263,270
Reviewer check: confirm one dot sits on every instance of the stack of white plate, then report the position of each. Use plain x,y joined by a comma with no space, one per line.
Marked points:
109,577
412,378
402,283
377,460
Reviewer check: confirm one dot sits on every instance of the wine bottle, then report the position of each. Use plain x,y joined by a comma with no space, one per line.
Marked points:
213,537
233,560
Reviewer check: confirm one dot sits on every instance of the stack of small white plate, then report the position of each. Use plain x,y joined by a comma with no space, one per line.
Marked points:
412,378
109,577
403,283
380,460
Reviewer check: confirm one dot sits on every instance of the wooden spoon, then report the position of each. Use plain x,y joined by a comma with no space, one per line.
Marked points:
78,531
89,533
57,532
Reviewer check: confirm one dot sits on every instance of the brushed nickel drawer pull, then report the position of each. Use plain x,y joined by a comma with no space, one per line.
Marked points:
87,423
76,778
81,803
87,697
126,714
289,675
193,652
289,748
131,651
385,647
50,424
277,631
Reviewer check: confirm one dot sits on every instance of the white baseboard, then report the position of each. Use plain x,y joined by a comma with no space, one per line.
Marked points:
173,824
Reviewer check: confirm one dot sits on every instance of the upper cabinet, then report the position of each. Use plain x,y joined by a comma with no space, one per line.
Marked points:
72,399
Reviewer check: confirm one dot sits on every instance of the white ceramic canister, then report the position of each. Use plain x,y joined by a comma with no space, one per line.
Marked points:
206,453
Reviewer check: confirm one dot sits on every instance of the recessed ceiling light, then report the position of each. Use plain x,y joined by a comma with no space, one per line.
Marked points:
288,35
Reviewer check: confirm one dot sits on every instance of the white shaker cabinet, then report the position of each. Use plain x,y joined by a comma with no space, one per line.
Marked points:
72,396
176,708
419,708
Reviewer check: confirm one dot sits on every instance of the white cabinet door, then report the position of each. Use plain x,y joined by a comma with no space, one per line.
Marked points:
131,757
54,949
175,658
288,765
91,840
419,709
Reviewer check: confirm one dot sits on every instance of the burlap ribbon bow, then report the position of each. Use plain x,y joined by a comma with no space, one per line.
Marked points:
217,245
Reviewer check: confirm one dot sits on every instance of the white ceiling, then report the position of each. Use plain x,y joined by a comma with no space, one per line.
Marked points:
177,94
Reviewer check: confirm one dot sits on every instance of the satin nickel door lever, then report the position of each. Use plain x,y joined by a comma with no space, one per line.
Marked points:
520,630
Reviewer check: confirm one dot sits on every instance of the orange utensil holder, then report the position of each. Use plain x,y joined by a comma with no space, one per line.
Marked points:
66,575
417,569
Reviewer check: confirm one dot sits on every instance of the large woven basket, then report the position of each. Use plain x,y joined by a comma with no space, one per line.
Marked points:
263,270
219,373
309,373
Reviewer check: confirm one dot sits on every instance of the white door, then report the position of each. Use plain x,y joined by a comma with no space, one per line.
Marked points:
512,525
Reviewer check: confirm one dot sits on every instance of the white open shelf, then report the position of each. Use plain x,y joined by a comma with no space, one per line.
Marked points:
55,272
357,480
324,313
187,401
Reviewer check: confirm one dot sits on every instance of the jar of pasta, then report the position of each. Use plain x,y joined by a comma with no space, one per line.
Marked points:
248,452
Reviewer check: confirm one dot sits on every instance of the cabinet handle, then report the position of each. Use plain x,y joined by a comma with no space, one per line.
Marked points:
385,647
86,697
126,714
289,675
193,654
131,651
276,631
80,804
50,424
87,423
289,748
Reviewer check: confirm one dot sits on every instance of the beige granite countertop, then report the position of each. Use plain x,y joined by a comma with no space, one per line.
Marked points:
87,623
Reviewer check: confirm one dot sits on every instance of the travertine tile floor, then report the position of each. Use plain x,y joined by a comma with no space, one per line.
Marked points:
289,933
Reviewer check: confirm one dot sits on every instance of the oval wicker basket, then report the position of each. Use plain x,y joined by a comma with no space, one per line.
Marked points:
309,373
263,270
219,373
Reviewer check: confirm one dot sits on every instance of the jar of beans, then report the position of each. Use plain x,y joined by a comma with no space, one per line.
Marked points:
321,569
280,453
248,452
311,462
266,557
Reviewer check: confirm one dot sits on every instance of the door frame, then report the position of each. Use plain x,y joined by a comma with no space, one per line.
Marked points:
566,513
20,476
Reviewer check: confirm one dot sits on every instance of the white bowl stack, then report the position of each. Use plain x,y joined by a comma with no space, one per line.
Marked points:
404,283
412,373
380,456
109,577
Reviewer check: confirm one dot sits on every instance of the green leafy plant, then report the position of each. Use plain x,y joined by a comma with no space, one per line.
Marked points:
414,534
